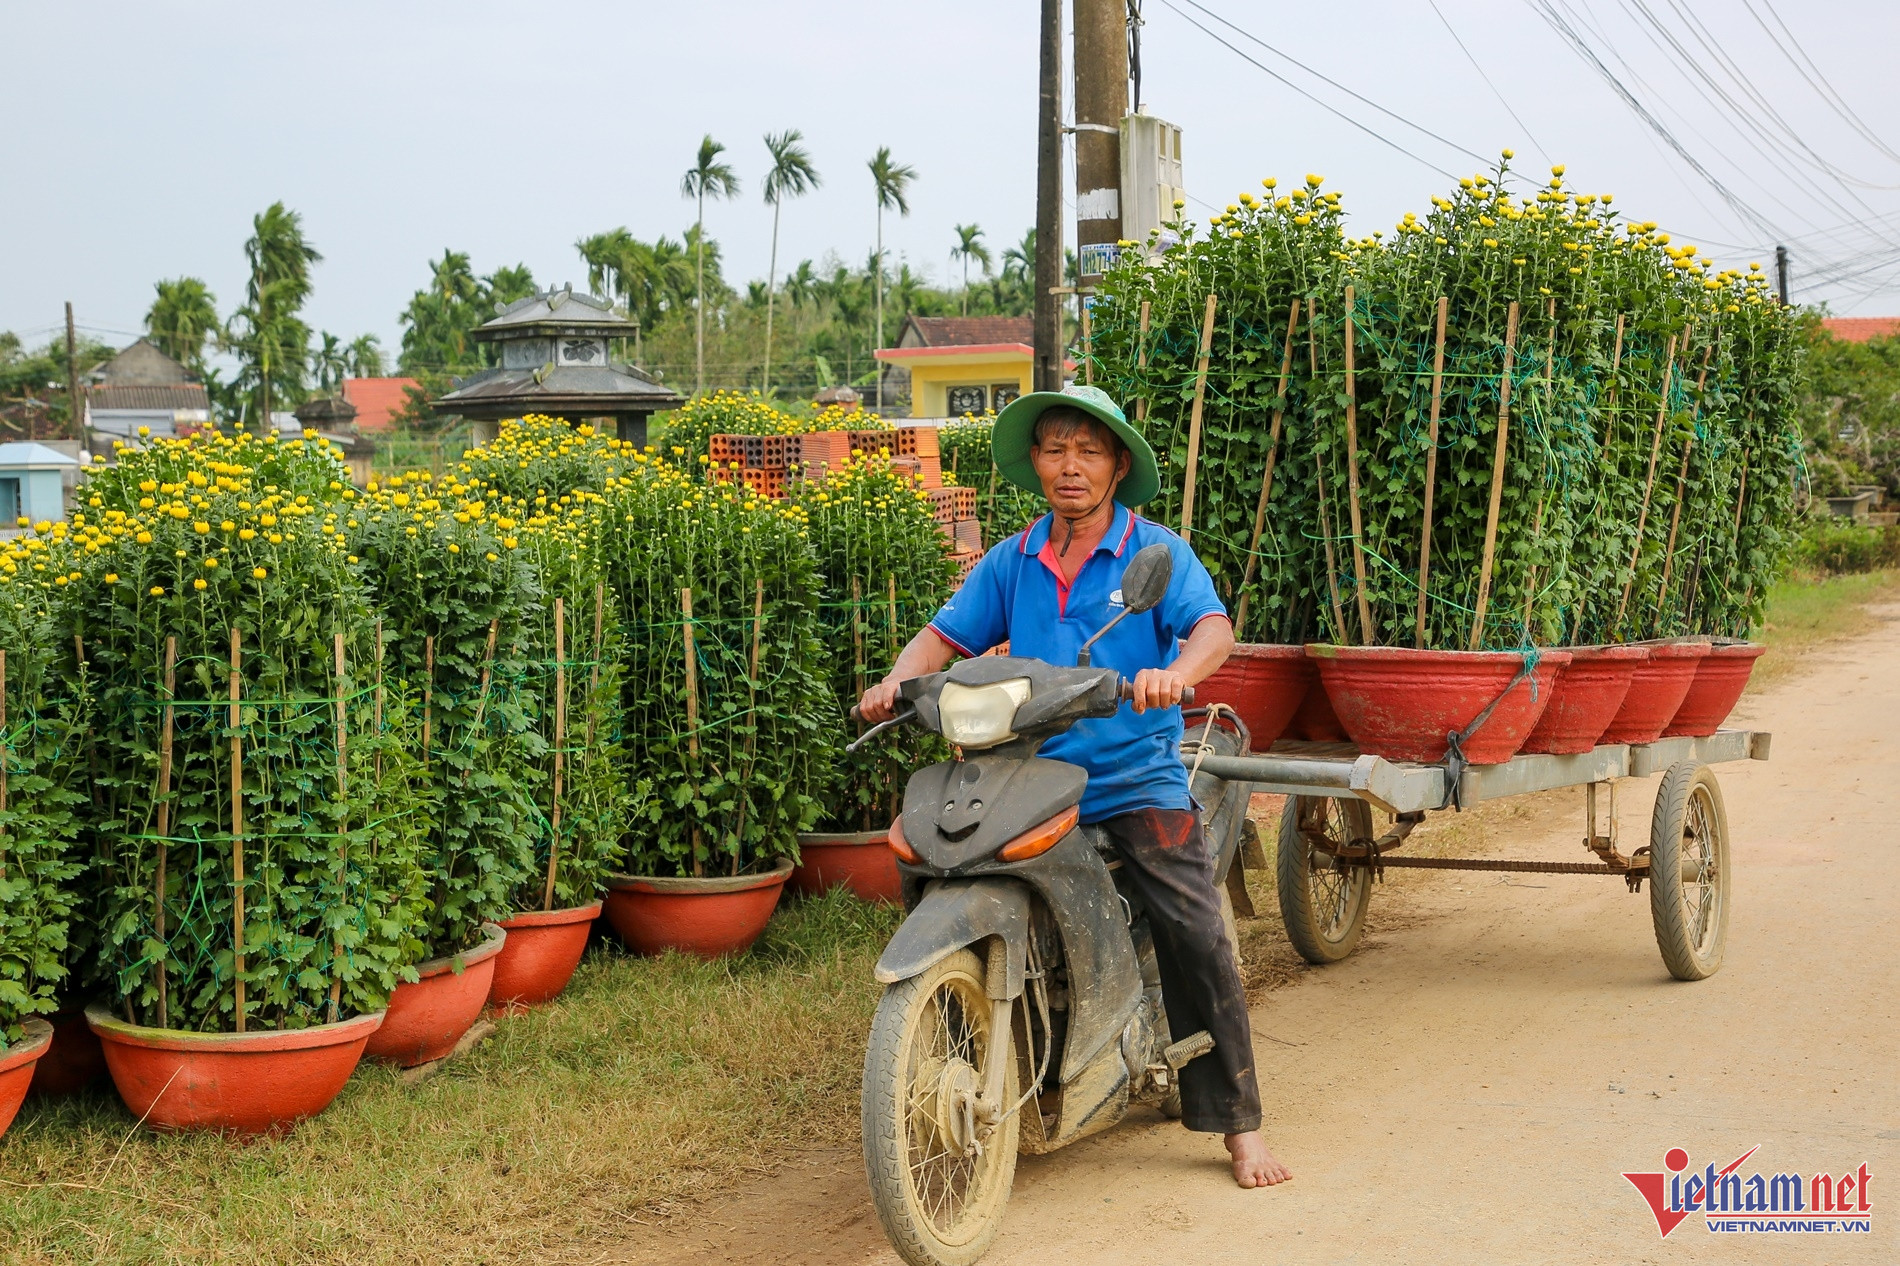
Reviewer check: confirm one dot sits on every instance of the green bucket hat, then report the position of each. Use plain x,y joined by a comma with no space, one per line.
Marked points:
1015,434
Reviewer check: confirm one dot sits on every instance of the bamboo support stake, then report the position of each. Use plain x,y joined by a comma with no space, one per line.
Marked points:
376,717
428,695
1319,478
758,634
1649,480
343,828
481,697
1682,478
593,671
165,730
92,767
857,634
1352,486
692,709
1088,342
1675,521
1194,422
560,746
1266,476
237,831
1431,467
891,583
1141,357
1497,479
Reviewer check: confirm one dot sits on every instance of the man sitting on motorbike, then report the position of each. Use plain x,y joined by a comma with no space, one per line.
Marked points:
1045,591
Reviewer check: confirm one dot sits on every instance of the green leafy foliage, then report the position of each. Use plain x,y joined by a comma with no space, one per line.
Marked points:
43,724
881,558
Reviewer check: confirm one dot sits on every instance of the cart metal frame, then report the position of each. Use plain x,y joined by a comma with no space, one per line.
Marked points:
1688,838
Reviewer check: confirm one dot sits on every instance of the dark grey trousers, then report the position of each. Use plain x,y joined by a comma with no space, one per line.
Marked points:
1168,859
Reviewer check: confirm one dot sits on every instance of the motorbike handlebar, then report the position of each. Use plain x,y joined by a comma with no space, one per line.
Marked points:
1128,693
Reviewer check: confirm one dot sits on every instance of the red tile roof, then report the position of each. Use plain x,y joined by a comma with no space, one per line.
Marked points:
375,399
1860,329
973,331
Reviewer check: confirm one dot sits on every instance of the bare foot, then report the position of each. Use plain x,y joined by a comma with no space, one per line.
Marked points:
1254,1165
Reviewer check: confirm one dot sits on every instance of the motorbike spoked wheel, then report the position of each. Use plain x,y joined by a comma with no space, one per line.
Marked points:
1322,901
939,1179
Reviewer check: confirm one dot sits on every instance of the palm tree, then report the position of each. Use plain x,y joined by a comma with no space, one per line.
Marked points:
363,358
274,344
893,186
792,176
970,246
330,364
707,177
181,318
801,283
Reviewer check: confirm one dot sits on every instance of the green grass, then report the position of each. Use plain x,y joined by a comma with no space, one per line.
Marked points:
649,1081
1804,612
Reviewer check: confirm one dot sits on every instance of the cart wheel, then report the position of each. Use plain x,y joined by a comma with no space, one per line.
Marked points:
1322,901
1688,871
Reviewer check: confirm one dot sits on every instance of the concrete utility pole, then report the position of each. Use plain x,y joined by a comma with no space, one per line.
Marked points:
1781,273
1048,308
1101,99
72,377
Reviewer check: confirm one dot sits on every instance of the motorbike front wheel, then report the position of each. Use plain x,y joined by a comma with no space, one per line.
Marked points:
939,1178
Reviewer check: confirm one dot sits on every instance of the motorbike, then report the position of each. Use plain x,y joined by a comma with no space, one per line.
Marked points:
1022,1005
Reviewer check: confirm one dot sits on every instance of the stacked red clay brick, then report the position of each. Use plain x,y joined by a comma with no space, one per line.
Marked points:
771,464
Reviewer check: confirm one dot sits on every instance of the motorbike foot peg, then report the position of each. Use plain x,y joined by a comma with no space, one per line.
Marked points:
1193,1046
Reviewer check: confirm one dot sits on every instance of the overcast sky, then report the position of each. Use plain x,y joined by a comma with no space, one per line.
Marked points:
140,138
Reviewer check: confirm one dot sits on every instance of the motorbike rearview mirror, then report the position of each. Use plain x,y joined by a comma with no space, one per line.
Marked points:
1144,584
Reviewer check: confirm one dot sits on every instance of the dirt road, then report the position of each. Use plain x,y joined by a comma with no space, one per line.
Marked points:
1472,1086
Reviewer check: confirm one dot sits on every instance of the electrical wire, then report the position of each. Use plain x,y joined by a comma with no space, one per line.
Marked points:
1809,72
1479,67
1330,109
1287,57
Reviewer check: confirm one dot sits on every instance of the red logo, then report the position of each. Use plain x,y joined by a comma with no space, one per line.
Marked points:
1754,1203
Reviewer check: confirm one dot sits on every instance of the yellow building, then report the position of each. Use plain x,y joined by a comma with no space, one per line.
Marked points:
957,365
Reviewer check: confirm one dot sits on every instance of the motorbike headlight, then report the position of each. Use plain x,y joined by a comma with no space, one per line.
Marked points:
981,716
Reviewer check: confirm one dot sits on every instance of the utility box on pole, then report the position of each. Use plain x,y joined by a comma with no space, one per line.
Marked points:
1151,176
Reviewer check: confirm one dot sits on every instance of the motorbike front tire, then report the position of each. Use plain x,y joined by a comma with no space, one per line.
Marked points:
938,1208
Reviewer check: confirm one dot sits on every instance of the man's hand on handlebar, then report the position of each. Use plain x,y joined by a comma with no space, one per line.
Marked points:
1154,688
879,703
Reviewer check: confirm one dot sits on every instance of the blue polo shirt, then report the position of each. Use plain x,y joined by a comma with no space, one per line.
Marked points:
1017,594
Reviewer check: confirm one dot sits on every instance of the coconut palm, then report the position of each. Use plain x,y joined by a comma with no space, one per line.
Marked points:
706,178
181,318
970,247
792,175
271,341
363,358
893,188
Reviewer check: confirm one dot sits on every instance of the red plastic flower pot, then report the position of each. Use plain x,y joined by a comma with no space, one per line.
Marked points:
709,917
1265,684
237,1083
16,1067
860,860
1720,678
1585,700
427,1018
1400,703
539,957
1657,689
74,1061
1314,721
